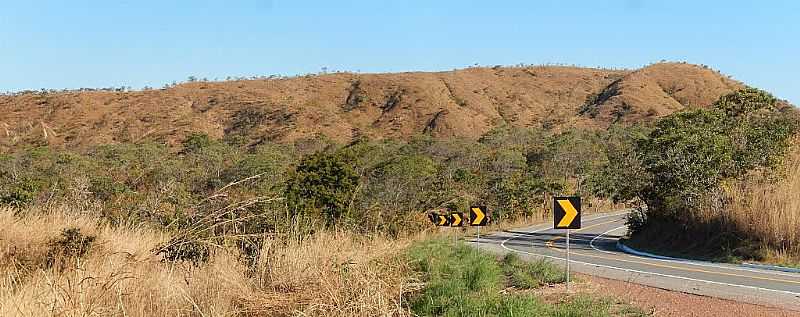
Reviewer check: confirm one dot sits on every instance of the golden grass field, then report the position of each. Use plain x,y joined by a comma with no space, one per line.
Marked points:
326,274
329,274
769,210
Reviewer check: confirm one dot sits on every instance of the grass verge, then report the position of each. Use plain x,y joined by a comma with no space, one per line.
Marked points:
462,281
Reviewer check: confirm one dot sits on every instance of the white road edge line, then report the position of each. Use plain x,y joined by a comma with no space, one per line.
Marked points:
686,261
591,243
503,244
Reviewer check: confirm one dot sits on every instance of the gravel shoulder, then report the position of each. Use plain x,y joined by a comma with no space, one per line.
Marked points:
660,302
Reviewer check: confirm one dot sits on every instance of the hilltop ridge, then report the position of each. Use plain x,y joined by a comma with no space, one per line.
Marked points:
344,106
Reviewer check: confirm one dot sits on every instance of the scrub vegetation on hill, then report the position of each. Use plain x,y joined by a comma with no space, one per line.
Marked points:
317,228
213,187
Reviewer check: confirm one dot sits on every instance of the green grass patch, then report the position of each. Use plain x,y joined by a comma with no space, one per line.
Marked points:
527,275
463,281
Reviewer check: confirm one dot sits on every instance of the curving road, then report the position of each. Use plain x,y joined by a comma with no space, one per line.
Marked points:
594,251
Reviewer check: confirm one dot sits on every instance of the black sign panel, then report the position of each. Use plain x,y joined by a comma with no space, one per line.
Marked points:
567,212
478,216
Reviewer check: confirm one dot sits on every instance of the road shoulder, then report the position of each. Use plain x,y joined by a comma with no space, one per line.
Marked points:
661,302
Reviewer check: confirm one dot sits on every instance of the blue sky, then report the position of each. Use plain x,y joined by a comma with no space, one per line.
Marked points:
60,44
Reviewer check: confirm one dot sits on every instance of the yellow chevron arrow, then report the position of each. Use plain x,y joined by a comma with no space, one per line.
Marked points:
479,216
569,213
456,220
442,220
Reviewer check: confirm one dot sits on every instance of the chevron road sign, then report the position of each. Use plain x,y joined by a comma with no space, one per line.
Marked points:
567,213
456,219
478,216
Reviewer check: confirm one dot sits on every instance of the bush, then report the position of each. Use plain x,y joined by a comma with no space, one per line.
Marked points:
681,165
368,186
323,184
404,183
269,162
687,154
745,101
636,221
690,153
183,249
22,192
69,245
621,177
195,142
520,194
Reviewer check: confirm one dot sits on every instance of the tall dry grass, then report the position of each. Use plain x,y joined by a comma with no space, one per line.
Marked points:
328,274
764,209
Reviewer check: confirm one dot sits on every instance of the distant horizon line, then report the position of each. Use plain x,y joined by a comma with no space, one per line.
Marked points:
325,71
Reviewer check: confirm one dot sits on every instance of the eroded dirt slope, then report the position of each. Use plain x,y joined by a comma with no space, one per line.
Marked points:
344,106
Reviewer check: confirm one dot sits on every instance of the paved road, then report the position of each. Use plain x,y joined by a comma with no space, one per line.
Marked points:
594,252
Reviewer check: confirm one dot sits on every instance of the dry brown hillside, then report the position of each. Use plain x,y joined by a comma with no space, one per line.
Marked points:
343,106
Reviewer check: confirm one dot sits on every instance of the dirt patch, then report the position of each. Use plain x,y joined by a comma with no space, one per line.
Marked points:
379,106
661,302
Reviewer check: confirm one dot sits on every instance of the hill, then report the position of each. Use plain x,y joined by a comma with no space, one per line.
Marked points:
344,106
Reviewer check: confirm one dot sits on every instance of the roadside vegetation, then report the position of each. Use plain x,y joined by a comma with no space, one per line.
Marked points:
716,182
215,228
381,186
64,262
316,228
463,281
58,261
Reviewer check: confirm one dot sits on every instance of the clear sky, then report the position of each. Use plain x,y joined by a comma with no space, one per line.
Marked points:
71,44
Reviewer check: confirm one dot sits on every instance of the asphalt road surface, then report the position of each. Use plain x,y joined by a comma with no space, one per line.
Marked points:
593,251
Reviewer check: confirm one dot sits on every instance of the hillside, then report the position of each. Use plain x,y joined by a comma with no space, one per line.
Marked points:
343,106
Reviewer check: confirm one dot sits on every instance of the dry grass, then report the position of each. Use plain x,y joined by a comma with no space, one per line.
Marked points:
475,101
768,211
329,274
338,274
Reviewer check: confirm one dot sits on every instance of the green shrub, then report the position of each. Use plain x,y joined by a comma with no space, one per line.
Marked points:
684,159
621,176
270,162
761,141
20,193
404,183
687,153
690,153
184,249
367,185
636,221
104,187
323,184
69,245
195,142
745,101
519,194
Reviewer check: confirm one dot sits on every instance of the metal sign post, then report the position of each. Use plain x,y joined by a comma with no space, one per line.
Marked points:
567,260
